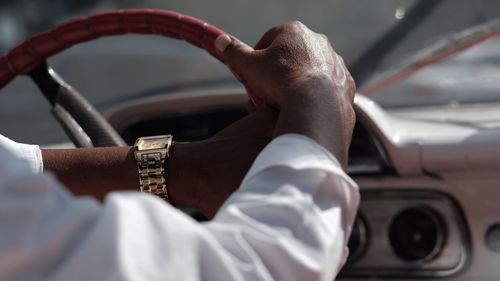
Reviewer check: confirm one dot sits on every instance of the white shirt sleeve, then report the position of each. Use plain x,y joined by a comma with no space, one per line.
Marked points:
289,220
30,153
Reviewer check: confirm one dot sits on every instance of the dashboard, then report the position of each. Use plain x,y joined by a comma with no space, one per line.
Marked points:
413,222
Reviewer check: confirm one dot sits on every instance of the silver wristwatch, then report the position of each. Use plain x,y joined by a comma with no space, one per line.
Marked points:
151,154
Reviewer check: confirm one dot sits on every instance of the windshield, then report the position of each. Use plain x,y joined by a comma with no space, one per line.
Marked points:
468,76
114,70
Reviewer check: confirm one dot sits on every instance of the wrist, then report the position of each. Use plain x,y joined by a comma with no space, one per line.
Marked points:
319,108
180,171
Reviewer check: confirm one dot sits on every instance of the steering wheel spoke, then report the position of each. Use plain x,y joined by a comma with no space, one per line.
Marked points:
81,121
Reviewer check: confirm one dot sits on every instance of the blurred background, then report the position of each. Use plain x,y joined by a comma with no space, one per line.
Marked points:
114,70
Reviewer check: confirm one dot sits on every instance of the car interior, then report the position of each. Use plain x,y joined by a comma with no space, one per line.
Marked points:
425,150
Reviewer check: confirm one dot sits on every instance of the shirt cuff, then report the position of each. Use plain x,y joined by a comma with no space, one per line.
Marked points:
30,153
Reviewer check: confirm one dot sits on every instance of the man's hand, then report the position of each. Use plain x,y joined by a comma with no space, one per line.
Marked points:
285,57
296,70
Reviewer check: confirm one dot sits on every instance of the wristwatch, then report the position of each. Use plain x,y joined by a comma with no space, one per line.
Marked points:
151,153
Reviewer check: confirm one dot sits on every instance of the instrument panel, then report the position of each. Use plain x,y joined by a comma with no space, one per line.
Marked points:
407,233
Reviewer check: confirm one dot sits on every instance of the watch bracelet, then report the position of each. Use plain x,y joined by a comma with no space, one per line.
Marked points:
152,169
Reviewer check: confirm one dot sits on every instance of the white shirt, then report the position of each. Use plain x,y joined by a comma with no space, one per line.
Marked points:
289,220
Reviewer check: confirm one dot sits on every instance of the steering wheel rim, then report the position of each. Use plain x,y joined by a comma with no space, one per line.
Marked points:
33,51
29,58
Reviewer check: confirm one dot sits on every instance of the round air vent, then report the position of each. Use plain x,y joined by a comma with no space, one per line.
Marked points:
417,234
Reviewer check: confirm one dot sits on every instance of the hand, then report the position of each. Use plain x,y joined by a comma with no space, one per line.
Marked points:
217,165
286,57
297,70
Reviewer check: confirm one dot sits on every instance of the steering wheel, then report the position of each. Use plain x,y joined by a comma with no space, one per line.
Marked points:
82,122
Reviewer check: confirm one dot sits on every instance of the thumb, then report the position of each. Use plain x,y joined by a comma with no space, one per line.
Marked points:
233,52
238,57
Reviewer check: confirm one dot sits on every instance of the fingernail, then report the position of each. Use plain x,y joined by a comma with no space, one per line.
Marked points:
222,42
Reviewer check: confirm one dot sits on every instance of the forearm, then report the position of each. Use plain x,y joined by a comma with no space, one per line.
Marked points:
93,171
199,174
97,171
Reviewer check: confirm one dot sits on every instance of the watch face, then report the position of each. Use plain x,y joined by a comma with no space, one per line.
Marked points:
152,142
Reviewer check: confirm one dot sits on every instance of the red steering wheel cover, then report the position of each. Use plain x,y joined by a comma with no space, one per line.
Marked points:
26,56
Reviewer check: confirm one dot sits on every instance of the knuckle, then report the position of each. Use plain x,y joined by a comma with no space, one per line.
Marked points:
340,59
276,28
236,46
352,82
295,24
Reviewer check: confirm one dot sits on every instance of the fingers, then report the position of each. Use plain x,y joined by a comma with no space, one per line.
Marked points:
235,53
240,58
268,38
